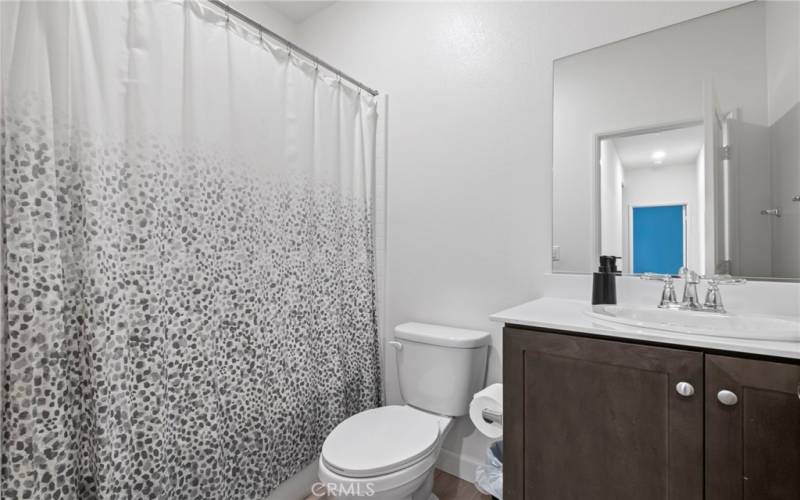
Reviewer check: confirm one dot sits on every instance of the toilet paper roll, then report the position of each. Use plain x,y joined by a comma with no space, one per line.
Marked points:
490,398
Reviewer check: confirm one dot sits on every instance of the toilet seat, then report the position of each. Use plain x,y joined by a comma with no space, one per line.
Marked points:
380,441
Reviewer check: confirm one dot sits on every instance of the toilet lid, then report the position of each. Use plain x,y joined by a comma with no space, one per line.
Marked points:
380,441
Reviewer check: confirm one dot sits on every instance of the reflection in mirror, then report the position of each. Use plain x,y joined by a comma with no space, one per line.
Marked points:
651,187
681,147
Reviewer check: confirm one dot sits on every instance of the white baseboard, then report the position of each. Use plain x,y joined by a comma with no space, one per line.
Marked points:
457,465
297,487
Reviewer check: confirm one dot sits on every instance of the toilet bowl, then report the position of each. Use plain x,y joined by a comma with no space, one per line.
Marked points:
390,453
387,453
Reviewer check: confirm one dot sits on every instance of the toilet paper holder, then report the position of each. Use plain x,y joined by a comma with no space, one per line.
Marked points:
492,417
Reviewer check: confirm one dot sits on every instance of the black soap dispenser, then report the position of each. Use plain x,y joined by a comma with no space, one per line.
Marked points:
604,284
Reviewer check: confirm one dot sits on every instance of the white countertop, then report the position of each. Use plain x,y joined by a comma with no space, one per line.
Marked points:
571,315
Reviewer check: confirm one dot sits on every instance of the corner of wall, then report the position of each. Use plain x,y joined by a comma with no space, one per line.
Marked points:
381,229
265,15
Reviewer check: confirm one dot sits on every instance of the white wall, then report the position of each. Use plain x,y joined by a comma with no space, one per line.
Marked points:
783,59
470,137
664,185
645,82
270,18
612,179
783,70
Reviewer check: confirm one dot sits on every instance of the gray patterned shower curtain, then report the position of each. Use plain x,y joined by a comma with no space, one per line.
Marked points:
188,254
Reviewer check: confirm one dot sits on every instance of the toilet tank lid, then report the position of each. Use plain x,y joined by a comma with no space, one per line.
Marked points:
445,336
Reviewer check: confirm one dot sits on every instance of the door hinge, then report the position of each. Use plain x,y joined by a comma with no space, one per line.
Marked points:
726,152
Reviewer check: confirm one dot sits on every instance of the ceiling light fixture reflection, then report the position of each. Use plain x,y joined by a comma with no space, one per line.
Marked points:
659,155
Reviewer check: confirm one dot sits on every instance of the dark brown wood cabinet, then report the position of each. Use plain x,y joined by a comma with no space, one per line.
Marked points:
600,418
753,441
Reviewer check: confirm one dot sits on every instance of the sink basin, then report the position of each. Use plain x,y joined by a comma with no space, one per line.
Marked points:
741,326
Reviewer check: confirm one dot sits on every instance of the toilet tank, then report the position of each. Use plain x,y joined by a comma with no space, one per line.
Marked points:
440,367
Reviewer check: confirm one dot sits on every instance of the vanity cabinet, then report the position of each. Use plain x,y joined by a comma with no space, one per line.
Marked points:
752,429
592,419
597,418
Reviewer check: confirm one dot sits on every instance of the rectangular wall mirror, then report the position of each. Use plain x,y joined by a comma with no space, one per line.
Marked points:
681,148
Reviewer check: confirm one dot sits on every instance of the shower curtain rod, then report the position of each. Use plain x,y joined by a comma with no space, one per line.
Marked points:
294,48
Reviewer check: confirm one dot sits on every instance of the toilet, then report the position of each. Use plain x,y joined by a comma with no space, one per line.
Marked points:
390,453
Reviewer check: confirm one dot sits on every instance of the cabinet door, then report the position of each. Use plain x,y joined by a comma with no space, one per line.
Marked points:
600,419
753,430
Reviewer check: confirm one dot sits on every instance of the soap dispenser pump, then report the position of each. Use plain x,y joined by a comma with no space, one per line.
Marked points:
604,285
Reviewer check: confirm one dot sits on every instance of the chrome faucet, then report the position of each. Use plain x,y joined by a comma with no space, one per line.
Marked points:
690,301
690,281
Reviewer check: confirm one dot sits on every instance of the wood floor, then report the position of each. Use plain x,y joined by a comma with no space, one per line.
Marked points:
446,487
449,487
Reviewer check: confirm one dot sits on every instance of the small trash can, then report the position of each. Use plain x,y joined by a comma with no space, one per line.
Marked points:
489,477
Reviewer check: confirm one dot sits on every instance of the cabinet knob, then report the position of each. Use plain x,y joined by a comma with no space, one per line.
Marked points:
727,397
685,389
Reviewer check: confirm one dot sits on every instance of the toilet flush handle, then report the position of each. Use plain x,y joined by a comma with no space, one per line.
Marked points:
397,345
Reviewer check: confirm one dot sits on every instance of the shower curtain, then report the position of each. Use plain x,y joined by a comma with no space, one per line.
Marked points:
188,254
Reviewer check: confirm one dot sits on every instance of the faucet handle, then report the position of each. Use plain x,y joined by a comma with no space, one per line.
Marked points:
669,299
723,279
713,300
